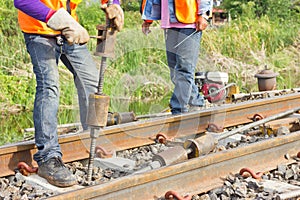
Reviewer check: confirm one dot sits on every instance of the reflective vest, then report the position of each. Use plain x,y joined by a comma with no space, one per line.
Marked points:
30,25
185,11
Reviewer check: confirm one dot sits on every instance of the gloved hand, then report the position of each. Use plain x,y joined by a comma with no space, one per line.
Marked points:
115,13
62,21
146,27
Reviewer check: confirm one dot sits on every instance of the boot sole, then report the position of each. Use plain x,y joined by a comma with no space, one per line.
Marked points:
59,184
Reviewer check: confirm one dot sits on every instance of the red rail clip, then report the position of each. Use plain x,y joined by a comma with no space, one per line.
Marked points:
161,138
214,128
251,172
25,169
257,117
102,152
171,194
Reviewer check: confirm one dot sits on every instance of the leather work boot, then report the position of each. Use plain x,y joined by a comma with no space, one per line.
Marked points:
56,173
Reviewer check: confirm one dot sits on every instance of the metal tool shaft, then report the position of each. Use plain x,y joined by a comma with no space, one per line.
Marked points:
246,127
92,155
93,138
94,131
101,75
185,39
104,58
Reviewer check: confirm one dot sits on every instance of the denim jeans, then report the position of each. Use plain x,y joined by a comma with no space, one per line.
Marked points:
182,62
45,55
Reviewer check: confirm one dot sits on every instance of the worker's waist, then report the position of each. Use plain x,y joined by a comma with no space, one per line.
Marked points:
43,35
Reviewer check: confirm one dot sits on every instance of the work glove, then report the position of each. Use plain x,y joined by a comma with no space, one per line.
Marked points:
62,21
115,13
146,27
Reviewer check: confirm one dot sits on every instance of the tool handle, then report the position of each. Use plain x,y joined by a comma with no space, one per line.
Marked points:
109,25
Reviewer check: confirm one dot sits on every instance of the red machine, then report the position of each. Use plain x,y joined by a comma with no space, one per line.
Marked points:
212,85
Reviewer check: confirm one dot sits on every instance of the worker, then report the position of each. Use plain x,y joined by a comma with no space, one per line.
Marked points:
183,22
52,33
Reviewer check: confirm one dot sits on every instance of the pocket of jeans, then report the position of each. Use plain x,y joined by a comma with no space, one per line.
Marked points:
28,39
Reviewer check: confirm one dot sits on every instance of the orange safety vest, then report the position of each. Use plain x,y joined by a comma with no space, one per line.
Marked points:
186,11
30,25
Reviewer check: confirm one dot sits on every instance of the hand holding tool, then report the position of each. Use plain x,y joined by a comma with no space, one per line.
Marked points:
115,13
146,27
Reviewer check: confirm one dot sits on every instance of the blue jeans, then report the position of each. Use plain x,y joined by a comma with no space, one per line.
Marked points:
45,55
182,62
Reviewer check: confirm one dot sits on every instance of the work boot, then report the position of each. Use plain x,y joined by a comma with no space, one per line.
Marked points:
56,173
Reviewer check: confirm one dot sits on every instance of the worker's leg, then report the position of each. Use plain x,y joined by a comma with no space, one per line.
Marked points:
79,61
171,36
190,53
44,57
186,55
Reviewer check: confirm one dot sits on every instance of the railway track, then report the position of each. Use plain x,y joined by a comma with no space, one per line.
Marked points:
195,176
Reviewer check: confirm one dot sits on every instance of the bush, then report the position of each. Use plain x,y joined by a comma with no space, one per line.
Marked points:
282,9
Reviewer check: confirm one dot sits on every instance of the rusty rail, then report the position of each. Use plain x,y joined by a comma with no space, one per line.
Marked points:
196,175
124,136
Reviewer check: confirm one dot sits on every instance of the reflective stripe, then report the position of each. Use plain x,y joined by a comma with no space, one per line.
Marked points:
76,1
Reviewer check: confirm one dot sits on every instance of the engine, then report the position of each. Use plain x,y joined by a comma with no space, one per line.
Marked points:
212,85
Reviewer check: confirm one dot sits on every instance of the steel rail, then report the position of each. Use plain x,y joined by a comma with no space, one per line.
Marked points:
196,175
134,134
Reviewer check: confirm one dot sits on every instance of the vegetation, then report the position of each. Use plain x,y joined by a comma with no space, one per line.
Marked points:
259,33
